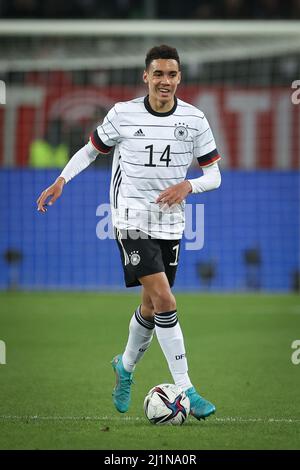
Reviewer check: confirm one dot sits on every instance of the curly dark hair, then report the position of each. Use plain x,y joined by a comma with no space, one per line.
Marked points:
161,52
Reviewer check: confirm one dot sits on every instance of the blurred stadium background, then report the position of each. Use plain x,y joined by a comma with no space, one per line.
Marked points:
62,73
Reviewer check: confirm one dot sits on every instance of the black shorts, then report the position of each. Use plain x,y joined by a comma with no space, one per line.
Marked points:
142,255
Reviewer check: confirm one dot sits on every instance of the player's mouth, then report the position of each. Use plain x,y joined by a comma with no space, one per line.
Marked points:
164,91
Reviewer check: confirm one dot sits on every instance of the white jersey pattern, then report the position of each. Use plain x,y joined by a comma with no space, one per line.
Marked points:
152,152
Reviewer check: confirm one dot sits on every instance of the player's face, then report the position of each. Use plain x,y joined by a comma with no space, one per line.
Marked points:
162,77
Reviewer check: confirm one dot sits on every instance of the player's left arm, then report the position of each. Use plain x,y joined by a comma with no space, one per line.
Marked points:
211,179
205,151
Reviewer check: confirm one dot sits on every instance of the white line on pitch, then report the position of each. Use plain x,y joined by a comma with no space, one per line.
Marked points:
226,419
237,419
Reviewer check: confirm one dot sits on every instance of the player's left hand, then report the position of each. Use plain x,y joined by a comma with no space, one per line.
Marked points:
175,194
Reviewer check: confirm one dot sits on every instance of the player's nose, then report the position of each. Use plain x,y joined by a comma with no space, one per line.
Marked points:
166,79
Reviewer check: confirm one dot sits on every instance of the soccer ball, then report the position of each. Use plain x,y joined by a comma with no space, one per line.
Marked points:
166,404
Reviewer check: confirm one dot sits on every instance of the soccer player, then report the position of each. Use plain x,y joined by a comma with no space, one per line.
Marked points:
155,139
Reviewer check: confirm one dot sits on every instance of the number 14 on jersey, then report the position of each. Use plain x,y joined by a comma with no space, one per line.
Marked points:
165,156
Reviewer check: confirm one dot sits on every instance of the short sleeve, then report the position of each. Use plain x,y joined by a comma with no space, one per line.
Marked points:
204,145
107,135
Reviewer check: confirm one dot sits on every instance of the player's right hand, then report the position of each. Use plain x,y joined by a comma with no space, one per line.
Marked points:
54,191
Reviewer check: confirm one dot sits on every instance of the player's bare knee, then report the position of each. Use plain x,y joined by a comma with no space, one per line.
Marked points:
164,301
147,311
147,307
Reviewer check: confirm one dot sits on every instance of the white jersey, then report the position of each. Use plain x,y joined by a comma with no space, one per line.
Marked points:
152,152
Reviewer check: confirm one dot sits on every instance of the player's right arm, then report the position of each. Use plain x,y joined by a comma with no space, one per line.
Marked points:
54,191
101,141
81,160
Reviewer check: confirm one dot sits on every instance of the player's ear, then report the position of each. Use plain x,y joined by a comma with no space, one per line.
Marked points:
179,77
145,76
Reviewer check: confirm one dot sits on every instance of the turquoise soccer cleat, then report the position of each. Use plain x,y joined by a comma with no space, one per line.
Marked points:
200,408
121,392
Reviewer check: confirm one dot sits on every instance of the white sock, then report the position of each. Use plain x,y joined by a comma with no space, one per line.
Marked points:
170,338
139,339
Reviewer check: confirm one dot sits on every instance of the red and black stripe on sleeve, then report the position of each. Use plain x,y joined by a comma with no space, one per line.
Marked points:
98,144
209,158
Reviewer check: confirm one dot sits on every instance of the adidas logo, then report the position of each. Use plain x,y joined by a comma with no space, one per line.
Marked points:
139,133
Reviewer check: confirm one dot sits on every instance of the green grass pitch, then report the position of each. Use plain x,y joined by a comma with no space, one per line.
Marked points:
56,384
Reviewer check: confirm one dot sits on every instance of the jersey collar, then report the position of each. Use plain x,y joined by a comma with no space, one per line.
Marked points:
155,113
